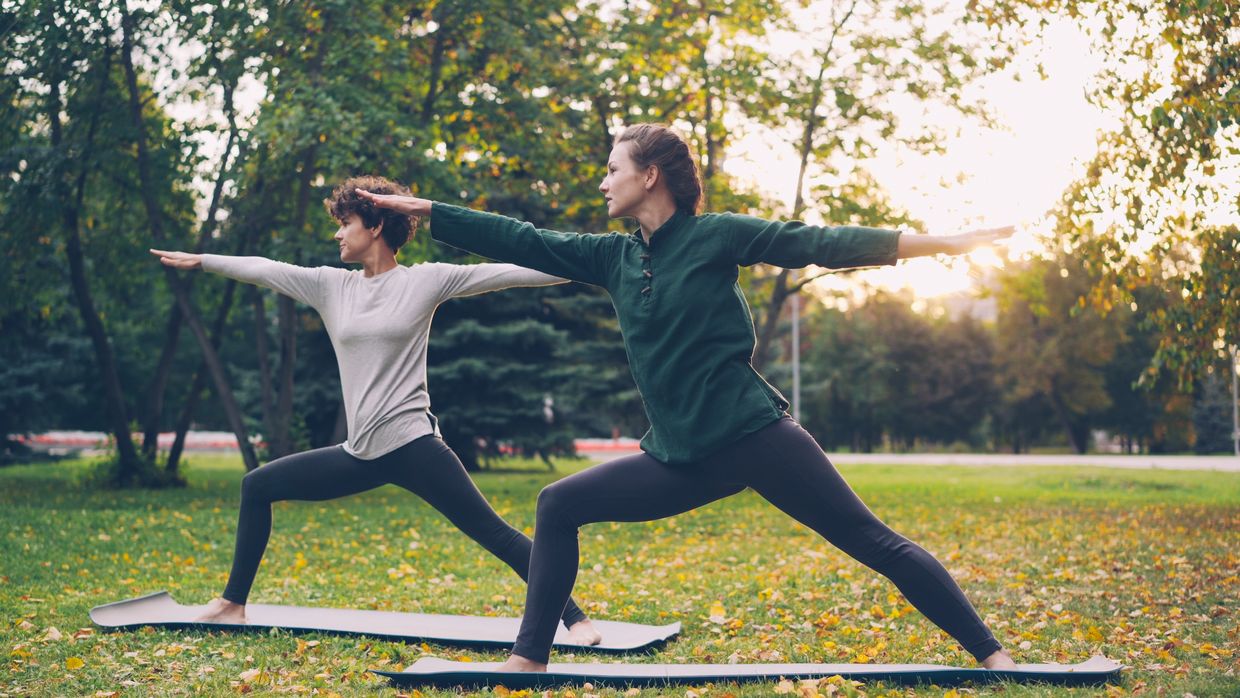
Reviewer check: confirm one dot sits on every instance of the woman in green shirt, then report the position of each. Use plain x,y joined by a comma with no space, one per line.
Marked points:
717,426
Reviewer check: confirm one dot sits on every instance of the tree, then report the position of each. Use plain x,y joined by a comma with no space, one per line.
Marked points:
492,363
1160,178
881,372
68,58
838,105
1212,408
1052,346
185,309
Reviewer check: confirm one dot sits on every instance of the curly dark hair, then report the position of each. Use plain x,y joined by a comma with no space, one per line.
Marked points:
656,144
345,202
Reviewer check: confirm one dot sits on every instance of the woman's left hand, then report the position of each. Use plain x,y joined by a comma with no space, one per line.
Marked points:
967,242
408,205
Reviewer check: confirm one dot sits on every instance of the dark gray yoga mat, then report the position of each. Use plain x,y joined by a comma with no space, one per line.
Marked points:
160,609
442,673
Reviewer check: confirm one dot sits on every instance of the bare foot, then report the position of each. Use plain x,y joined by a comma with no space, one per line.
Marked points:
583,632
222,611
1000,660
517,663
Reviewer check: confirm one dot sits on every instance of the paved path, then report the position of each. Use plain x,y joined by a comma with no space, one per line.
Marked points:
606,449
1220,463
1215,463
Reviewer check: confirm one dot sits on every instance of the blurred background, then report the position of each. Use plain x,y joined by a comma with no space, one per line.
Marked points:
1105,131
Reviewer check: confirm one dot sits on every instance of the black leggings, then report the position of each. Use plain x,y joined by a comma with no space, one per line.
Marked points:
783,464
425,467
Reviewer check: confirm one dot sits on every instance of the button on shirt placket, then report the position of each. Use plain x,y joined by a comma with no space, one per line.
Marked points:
648,276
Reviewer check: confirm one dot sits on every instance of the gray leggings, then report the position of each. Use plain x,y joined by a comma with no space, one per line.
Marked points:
783,464
425,467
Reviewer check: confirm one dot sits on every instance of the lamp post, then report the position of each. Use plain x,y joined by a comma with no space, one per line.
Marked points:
796,356
1235,403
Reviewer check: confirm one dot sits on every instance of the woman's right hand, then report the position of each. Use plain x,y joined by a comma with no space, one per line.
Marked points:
408,205
179,260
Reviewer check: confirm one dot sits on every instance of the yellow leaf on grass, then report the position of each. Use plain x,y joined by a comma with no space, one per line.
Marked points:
251,675
74,663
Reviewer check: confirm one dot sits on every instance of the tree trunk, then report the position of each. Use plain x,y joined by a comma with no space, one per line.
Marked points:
217,333
129,462
198,384
262,352
172,334
214,365
281,441
770,319
1078,433
436,66
782,290
159,385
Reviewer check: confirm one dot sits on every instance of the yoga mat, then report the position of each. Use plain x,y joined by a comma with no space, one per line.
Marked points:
161,610
442,673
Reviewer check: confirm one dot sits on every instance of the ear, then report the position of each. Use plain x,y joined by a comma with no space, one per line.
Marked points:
652,177
376,231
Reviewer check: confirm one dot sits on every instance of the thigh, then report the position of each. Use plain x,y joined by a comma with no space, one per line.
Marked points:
787,467
431,470
314,476
638,488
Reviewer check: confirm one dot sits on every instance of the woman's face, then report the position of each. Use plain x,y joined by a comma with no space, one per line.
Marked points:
355,238
624,187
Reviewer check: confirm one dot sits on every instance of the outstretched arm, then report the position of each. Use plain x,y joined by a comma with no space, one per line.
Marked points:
793,244
923,245
178,260
300,283
572,256
472,279
408,205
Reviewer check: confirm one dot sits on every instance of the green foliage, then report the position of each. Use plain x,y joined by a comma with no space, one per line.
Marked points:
511,107
869,378
1153,195
1052,347
1212,414
111,473
494,362
1199,329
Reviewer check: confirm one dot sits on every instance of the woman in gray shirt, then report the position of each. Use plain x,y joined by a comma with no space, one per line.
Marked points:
379,321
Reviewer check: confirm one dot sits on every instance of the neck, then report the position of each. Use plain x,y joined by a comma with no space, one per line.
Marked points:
654,213
377,264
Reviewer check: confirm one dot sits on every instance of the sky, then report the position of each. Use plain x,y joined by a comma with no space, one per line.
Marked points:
986,178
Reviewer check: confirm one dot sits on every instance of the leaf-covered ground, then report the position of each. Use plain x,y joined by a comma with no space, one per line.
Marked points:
1143,566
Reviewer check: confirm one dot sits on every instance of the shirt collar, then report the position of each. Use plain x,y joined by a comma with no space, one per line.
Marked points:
668,226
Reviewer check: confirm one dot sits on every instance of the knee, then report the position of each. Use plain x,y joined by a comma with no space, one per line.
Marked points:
254,486
877,546
553,503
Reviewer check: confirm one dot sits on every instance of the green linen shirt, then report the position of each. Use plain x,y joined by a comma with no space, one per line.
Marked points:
687,329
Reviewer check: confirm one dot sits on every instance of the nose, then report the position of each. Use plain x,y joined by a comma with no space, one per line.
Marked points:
339,234
602,186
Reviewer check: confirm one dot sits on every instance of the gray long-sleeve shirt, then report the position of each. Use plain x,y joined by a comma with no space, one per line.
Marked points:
379,327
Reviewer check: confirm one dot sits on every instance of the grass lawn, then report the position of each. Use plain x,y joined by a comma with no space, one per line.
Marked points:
1143,566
